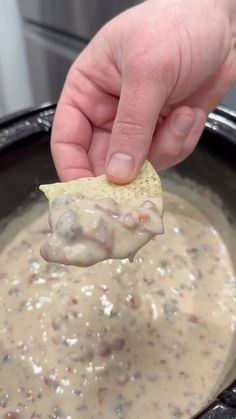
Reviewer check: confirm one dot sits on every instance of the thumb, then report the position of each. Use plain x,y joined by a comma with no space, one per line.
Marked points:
141,100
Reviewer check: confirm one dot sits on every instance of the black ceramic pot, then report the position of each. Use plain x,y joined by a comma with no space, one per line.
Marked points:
25,163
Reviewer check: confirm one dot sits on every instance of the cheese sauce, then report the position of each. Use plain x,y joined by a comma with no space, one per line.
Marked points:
149,339
85,231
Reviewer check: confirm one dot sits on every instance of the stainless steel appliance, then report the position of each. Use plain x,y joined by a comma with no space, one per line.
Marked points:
56,31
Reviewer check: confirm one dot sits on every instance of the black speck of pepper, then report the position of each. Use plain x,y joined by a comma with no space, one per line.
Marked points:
163,263
138,375
176,413
57,322
118,344
56,413
205,353
119,411
161,292
152,378
7,358
14,291
178,350
197,273
105,349
51,382
134,301
4,401
170,308
82,408
193,252
193,319
149,281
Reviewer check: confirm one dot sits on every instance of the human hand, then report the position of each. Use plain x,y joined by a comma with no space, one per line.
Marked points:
143,88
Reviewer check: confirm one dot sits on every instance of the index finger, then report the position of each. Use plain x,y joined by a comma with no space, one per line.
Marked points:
70,141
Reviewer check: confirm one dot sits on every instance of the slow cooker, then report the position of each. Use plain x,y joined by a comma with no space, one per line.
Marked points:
25,163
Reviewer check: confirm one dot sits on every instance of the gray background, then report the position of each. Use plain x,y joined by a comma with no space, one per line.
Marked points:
39,41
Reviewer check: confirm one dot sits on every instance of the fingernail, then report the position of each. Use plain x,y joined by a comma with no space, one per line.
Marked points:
121,165
183,124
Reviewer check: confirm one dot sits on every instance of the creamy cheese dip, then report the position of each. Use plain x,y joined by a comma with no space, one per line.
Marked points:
87,231
149,339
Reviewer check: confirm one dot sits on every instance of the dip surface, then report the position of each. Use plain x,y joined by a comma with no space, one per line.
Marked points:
117,340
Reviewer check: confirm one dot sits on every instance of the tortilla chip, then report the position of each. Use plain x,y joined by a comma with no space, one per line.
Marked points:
147,185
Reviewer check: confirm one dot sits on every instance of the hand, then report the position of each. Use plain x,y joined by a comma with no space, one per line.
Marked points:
143,88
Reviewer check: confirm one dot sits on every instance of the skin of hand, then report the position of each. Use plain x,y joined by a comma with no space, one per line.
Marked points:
143,88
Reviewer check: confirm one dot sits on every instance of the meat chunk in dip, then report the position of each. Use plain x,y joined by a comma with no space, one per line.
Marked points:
86,231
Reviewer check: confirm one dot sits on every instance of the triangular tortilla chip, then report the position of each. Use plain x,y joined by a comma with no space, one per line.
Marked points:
147,185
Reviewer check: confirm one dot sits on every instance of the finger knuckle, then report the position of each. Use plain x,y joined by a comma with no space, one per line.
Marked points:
129,132
150,63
